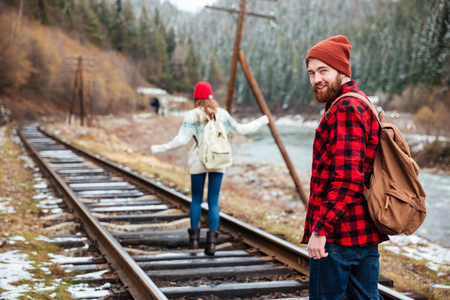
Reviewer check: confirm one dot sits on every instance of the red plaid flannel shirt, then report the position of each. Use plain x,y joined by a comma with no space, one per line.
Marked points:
343,156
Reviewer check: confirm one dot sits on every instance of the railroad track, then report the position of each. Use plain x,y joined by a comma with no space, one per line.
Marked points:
137,229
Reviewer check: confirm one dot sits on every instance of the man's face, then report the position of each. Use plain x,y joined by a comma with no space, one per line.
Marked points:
325,80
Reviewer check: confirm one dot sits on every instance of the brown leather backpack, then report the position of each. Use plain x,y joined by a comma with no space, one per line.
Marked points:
395,197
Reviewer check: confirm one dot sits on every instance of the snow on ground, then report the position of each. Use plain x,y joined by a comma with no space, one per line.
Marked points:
2,136
296,121
436,257
5,207
14,266
82,290
16,277
417,142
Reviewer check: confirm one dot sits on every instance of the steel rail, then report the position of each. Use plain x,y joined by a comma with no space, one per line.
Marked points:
133,277
295,257
287,253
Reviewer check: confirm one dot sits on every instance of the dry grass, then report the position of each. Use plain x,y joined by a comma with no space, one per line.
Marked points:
412,275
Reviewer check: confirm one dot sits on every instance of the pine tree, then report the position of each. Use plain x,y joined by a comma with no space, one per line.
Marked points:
89,22
215,75
170,41
105,13
130,19
144,29
118,32
159,52
178,68
40,11
192,63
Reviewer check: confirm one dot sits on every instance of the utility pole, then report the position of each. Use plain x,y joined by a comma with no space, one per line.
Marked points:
238,54
237,45
82,88
265,110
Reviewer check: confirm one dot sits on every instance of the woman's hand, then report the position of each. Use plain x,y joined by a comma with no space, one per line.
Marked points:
156,149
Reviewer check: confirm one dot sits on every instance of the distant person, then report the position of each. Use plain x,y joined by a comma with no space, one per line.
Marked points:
155,105
193,125
342,239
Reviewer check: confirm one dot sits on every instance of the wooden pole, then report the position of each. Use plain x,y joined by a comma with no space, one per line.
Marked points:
265,110
234,59
74,93
80,91
237,12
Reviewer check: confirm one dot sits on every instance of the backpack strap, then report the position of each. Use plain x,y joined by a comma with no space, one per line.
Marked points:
379,116
207,117
211,116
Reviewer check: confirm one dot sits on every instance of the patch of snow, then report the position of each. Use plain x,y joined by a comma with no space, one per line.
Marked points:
417,142
50,202
311,124
17,238
28,162
441,286
83,290
57,211
296,121
14,267
142,116
86,246
60,239
42,196
4,206
2,136
62,259
41,185
93,275
437,257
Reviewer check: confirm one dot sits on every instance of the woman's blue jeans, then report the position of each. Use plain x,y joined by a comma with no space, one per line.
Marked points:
349,271
197,188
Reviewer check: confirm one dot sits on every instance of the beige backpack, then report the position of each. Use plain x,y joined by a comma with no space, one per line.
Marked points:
395,197
214,150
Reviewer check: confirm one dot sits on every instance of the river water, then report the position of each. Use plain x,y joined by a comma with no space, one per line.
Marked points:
298,142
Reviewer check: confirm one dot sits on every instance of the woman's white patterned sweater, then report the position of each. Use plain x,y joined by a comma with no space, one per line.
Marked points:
193,124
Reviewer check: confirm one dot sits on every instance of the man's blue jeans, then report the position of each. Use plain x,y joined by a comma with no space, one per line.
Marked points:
349,271
197,187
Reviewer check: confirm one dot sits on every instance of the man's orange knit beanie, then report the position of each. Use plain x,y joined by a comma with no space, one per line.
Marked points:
335,52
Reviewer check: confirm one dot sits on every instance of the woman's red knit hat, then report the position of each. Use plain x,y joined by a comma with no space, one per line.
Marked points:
203,90
335,52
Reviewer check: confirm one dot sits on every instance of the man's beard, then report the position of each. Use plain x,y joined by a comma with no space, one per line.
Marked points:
331,92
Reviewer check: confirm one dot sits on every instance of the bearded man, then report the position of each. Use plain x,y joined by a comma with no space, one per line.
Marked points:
342,239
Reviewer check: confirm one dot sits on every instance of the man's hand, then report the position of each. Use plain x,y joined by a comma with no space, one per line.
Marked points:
316,246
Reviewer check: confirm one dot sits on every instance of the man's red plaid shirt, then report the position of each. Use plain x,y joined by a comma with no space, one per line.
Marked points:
343,155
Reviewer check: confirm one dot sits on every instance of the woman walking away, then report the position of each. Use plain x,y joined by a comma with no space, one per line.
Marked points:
192,127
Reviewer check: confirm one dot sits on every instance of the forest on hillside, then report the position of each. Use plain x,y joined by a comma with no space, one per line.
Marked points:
397,46
400,49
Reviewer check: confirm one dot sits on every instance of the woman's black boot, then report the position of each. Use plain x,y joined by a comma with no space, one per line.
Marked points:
211,238
194,237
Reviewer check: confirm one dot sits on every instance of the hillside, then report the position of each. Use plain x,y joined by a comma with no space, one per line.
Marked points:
400,51
126,44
